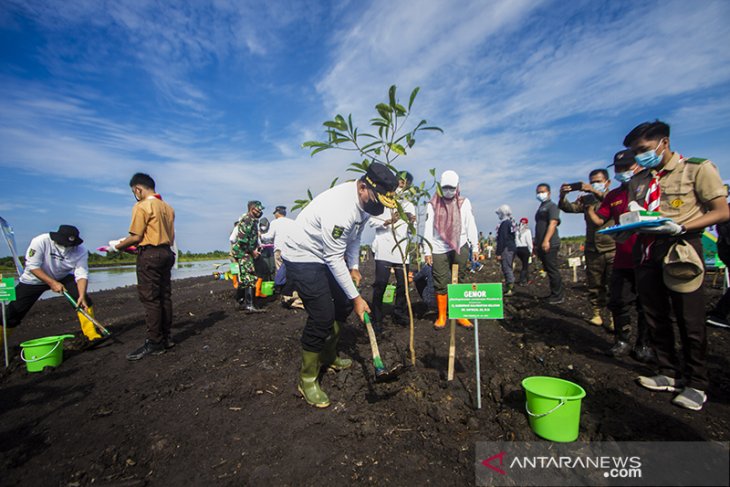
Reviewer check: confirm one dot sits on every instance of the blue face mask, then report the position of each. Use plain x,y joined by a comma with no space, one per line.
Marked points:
624,177
649,159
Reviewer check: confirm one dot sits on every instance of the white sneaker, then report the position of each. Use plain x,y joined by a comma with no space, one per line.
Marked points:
690,398
659,383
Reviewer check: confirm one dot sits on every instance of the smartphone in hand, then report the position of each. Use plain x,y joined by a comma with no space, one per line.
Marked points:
576,186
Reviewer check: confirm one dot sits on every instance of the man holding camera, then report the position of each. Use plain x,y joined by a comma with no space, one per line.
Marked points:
599,249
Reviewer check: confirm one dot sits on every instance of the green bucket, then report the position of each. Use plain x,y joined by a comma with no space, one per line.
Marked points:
234,268
389,294
267,288
43,352
553,406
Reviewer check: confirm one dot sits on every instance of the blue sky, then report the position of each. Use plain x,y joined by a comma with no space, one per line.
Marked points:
214,98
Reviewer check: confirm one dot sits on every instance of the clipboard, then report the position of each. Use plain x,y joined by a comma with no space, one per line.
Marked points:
632,226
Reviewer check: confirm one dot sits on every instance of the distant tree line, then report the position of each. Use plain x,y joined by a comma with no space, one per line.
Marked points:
120,258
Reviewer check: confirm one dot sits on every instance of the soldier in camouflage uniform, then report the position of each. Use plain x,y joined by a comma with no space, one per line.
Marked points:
245,250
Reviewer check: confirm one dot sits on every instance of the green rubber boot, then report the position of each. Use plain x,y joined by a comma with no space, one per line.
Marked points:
328,355
308,385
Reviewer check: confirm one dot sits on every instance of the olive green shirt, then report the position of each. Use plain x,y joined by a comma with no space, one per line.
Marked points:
595,242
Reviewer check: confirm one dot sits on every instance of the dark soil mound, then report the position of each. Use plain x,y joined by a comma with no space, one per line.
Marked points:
222,406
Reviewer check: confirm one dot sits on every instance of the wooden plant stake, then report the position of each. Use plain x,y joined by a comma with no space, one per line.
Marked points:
452,343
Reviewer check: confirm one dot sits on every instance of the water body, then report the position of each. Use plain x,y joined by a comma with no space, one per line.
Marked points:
102,278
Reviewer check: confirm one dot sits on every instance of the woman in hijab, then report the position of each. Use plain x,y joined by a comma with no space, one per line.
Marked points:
450,231
506,246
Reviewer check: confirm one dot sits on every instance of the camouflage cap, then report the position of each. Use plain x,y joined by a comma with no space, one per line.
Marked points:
255,204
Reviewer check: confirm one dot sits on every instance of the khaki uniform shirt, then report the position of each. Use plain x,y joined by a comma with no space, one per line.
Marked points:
686,186
595,242
154,220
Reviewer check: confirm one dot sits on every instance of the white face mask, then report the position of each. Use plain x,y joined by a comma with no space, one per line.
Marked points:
449,193
542,196
599,186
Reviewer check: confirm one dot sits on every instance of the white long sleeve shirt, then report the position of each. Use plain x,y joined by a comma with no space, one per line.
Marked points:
279,231
384,244
469,233
523,238
56,261
328,231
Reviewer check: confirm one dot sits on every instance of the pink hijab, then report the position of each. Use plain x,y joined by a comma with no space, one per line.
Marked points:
447,218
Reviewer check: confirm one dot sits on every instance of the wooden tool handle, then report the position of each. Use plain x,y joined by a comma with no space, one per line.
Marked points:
377,361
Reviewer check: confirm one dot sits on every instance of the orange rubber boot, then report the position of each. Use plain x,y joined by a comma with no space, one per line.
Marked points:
258,288
441,303
465,323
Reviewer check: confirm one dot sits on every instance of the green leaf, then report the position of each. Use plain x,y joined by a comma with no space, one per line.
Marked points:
413,96
341,124
349,122
400,109
371,144
313,143
398,149
319,150
391,95
384,110
309,193
432,171
334,181
433,128
336,125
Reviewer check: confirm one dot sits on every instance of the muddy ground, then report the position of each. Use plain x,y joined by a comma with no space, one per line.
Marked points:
222,407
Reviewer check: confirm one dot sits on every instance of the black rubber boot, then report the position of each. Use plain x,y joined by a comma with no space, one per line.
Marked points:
249,302
623,336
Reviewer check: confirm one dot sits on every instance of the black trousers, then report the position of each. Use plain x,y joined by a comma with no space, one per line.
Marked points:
382,276
323,299
722,308
27,294
550,264
623,297
523,254
154,287
689,310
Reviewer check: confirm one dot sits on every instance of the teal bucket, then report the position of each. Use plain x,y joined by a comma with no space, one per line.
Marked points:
43,352
553,406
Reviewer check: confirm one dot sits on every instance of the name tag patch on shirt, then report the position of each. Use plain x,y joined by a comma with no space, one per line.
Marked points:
617,203
337,231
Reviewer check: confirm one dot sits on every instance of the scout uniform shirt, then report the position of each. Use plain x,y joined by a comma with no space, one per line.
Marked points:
384,246
153,220
328,231
685,186
55,260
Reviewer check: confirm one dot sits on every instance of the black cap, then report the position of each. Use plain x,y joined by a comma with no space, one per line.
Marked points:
281,210
623,158
67,235
383,182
